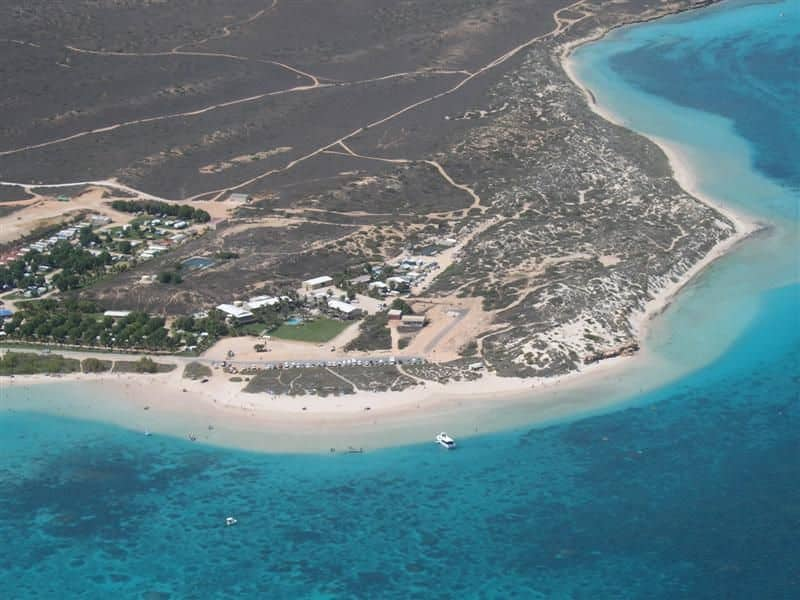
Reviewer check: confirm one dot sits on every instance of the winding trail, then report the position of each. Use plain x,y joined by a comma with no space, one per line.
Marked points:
227,30
476,200
314,79
561,26
108,183
561,23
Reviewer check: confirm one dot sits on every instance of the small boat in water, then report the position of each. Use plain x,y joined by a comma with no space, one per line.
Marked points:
229,521
445,441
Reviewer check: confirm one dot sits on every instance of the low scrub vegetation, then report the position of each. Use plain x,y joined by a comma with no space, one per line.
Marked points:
29,363
374,334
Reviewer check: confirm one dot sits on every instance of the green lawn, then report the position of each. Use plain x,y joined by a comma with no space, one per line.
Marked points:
319,330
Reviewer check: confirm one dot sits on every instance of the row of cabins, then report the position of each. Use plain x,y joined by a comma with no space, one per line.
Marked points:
44,245
408,321
412,271
175,224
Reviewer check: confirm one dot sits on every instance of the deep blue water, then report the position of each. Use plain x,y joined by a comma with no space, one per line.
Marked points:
690,491
743,65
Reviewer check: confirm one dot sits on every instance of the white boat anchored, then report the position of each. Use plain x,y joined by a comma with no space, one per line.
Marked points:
445,441
230,521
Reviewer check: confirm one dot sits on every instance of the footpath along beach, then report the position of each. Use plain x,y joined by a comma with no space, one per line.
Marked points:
311,423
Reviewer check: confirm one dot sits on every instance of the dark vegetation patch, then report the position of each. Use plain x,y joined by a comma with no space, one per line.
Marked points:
154,207
143,365
196,370
376,378
317,381
373,334
28,363
10,193
95,365
457,370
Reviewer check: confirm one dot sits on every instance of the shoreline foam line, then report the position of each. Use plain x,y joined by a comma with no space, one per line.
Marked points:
279,423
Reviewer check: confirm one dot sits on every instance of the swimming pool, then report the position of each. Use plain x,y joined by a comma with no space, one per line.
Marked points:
197,262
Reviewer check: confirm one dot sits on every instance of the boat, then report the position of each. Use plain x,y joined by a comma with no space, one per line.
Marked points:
147,433
230,521
445,441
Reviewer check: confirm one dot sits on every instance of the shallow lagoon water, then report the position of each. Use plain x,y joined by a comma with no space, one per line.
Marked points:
688,491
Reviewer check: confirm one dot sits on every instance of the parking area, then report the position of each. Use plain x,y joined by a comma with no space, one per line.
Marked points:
377,361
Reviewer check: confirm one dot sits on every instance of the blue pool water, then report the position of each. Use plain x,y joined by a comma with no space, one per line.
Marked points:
689,491
197,263
293,321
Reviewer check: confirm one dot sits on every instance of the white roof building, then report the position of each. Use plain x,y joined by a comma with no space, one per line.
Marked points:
117,314
316,282
236,312
343,307
262,301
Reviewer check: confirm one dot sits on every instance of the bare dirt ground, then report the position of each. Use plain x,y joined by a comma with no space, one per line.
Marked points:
360,129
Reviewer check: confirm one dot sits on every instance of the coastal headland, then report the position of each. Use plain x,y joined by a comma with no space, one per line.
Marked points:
545,235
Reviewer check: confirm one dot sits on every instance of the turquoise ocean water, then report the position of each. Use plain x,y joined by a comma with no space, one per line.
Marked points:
686,491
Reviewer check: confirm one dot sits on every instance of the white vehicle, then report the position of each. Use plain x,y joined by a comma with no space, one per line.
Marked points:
445,441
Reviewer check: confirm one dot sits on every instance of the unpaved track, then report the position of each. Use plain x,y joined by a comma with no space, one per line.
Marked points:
561,23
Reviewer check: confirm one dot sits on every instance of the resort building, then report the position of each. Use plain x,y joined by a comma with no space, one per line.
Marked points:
317,282
380,286
395,314
414,321
262,301
398,283
242,198
343,308
238,314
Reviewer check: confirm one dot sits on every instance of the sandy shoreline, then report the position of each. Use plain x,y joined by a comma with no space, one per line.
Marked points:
682,173
218,412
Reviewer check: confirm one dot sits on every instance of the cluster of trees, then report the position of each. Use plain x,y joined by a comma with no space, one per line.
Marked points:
76,263
16,274
188,329
274,316
170,277
87,237
402,306
156,207
80,322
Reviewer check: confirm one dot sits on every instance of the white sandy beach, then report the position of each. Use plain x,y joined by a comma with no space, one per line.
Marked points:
218,412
